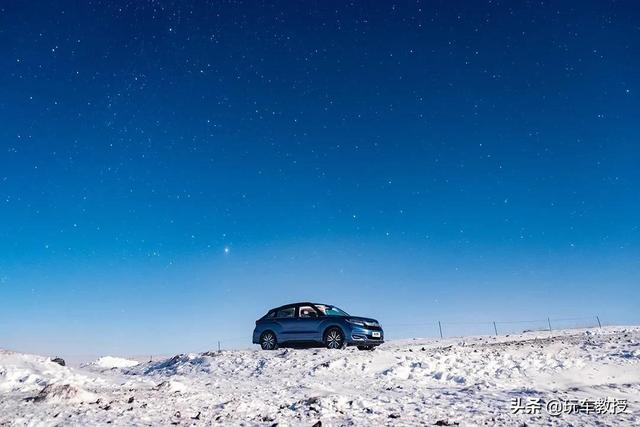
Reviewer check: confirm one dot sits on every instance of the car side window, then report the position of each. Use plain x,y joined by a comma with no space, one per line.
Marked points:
286,312
306,311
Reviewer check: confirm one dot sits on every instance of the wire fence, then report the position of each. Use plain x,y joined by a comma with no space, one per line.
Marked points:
450,329
453,329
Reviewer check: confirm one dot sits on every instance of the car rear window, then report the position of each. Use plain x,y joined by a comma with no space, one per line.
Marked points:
286,312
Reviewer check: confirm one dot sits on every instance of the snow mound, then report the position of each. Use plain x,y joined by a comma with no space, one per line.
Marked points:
180,364
110,362
27,373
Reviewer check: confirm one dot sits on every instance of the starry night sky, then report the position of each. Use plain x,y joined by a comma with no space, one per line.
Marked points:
170,170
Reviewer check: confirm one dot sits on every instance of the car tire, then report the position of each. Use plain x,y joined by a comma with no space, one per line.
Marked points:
334,339
366,347
268,341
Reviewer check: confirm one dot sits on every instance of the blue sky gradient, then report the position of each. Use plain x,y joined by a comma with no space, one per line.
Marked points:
171,170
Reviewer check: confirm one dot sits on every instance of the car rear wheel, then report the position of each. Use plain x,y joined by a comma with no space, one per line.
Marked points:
268,341
334,338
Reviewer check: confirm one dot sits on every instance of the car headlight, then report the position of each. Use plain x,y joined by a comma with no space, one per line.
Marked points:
356,322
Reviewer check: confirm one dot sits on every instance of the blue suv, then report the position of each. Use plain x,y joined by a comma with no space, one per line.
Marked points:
315,324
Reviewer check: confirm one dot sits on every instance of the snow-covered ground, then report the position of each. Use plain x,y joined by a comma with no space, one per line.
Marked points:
465,381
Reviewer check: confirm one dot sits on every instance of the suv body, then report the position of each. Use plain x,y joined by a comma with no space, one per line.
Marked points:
307,323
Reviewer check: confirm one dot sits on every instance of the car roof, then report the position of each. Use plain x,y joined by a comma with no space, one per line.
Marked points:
296,304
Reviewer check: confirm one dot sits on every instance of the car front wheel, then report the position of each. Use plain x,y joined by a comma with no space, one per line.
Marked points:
334,338
268,341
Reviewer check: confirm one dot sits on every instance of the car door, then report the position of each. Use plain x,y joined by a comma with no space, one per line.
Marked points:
308,323
286,321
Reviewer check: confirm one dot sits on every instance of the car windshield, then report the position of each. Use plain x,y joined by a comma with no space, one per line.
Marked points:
330,310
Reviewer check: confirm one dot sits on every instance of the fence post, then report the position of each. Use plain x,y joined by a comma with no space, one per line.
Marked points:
218,346
440,327
549,321
599,324
495,328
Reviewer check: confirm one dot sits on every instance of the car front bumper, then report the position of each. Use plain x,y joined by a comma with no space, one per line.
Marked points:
365,336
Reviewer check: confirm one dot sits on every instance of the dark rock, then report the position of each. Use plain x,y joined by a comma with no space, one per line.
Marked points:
394,416
130,400
197,417
318,424
59,361
62,391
